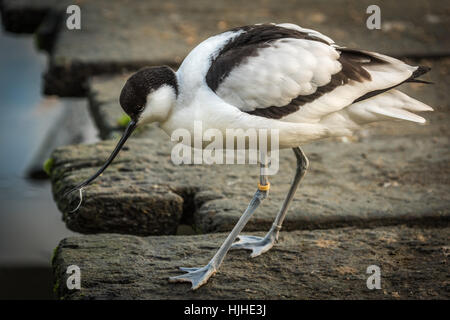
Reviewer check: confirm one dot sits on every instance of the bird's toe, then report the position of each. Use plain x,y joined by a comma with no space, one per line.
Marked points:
258,245
196,276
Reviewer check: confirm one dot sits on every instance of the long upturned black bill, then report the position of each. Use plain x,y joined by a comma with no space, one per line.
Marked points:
130,128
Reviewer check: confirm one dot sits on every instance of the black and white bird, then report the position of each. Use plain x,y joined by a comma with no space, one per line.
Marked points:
269,76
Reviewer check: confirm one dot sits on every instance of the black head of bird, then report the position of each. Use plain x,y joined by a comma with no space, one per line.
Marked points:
147,96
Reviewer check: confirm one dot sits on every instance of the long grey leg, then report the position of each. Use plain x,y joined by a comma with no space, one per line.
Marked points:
260,245
199,276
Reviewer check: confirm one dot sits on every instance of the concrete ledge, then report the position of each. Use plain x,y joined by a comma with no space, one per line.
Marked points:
320,264
359,183
116,37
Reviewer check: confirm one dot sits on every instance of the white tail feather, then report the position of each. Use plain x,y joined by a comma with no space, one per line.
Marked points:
390,113
389,105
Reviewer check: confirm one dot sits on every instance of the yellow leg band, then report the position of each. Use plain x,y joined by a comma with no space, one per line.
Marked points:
265,187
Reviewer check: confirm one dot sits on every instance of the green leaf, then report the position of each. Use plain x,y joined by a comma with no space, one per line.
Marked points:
48,164
124,120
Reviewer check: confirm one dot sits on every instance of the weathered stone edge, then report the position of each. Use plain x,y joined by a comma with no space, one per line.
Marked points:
399,251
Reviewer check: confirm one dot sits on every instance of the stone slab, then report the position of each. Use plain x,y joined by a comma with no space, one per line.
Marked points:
354,184
116,37
320,264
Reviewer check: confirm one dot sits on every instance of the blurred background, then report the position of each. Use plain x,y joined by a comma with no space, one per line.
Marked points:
30,223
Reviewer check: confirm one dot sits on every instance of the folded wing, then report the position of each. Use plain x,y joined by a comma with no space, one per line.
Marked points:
293,74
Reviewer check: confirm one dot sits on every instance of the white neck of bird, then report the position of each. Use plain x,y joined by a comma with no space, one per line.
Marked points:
159,104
